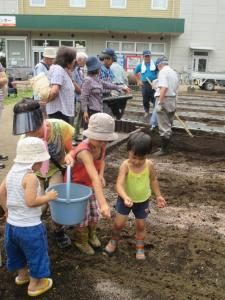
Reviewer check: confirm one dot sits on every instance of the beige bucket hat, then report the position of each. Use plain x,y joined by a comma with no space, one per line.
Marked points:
31,150
49,52
101,127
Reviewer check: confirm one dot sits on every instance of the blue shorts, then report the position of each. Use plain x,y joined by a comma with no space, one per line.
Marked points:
27,247
140,210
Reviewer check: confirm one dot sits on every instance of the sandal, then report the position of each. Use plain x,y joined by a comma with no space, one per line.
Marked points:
48,285
110,247
19,281
4,157
140,252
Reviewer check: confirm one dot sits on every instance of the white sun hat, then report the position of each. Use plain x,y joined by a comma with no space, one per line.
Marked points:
31,150
101,127
49,52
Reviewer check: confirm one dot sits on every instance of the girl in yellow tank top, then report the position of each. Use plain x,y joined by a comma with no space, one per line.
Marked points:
135,183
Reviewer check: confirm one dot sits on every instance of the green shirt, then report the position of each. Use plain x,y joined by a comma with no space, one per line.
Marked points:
137,185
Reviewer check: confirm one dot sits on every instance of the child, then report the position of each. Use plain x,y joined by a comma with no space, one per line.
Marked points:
25,235
88,158
135,183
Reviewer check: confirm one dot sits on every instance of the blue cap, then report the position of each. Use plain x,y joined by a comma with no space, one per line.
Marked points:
162,60
146,53
109,52
93,63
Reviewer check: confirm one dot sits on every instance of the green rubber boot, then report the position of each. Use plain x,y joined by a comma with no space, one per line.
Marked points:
81,241
93,239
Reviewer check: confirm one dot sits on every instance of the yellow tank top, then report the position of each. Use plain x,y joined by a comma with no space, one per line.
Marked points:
137,185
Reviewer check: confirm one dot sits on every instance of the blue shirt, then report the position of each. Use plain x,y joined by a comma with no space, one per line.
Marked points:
152,75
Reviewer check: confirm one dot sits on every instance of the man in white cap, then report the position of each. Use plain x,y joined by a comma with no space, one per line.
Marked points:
165,101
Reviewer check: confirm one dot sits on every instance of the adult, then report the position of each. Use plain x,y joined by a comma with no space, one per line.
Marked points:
57,134
119,74
166,94
145,73
3,84
92,90
78,76
43,66
60,103
106,73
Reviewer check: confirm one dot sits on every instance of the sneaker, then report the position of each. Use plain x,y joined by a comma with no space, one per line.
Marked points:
146,114
2,166
62,239
4,157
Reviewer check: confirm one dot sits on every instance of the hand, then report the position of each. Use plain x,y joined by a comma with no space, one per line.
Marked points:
158,107
105,211
69,159
52,195
140,83
128,202
102,181
161,202
85,117
126,89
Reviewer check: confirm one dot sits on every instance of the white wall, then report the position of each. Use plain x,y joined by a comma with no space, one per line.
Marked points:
8,6
204,26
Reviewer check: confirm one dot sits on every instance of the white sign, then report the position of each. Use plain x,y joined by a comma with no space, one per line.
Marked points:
6,21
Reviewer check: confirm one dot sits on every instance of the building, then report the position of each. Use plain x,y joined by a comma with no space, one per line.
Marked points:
128,26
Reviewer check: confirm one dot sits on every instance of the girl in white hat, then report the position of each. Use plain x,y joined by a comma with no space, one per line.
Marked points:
88,159
25,235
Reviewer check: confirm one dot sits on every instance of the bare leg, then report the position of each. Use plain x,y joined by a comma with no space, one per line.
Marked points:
140,236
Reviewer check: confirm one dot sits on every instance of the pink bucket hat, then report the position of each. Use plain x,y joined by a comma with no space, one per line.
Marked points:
101,127
31,150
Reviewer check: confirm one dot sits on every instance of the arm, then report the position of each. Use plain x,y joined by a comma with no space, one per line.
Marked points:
54,91
86,157
155,186
3,195
120,184
162,91
30,185
101,173
112,86
3,79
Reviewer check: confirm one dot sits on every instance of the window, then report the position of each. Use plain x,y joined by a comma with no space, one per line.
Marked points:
67,43
140,47
37,2
113,45
118,3
160,4
78,3
158,48
128,47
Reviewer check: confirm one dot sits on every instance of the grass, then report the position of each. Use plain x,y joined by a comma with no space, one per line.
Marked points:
21,94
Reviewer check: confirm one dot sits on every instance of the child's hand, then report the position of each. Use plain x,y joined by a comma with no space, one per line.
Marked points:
52,195
161,202
128,202
105,211
69,160
102,181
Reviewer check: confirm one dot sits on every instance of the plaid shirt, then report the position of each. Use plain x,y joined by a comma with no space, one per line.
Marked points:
107,75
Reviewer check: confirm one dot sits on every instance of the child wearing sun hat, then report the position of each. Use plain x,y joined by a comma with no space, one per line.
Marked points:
25,235
88,160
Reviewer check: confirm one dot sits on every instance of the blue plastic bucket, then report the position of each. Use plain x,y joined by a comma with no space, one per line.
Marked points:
70,206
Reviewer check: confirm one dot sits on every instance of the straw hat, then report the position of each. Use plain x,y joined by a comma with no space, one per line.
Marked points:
49,52
31,150
101,127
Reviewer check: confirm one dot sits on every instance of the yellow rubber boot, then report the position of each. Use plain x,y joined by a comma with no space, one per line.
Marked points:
92,238
81,241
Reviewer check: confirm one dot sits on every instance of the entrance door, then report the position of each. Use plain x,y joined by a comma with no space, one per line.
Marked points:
37,55
200,60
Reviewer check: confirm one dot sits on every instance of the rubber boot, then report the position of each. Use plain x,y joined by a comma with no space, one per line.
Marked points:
164,147
92,237
81,241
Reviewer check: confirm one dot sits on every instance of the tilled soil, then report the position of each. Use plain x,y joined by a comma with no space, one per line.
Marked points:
185,242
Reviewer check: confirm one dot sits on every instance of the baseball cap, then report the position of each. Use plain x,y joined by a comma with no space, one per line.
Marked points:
108,52
161,60
146,53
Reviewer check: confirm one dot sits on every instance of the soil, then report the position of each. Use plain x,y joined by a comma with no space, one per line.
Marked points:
185,242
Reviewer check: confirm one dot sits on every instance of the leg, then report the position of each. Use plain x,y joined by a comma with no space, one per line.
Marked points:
62,239
93,220
140,236
118,225
145,96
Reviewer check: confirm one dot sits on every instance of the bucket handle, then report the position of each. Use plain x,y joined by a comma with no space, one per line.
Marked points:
68,182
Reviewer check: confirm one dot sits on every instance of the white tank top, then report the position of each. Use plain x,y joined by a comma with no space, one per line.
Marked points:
19,214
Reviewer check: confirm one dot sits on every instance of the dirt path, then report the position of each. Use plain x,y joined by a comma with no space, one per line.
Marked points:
185,242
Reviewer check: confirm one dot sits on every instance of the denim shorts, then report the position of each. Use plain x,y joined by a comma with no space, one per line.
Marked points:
27,247
140,210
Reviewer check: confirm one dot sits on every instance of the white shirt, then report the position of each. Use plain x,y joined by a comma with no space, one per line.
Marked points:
19,214
167,78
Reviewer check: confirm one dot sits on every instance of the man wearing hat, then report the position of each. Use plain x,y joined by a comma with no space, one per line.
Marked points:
165,101
145,73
